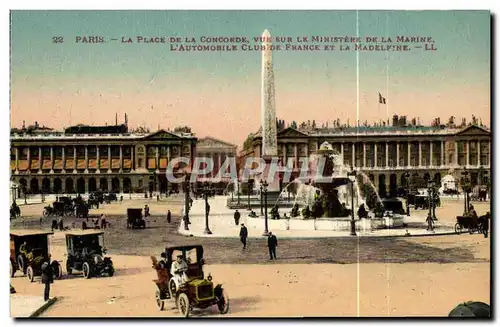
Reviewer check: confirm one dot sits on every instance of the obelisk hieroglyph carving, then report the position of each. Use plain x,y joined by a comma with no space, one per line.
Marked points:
268,111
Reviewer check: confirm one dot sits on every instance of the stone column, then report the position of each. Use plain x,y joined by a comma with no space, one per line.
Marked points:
375,153
75,164
456,153
63,185
397,154
353,155
121,165
219,160
342,151
109,180
442,154
109,160
132,158
386,154
420,153
17,160
364,154
283,149
51,159
98,157
168,153
86,159
29,161
430,154
64,162
478,153
295,156
408,158
467,153
40,162
157,158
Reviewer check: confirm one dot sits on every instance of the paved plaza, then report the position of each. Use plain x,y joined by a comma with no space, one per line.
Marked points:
331,276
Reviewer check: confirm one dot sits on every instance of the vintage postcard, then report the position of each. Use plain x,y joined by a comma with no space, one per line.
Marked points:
250,163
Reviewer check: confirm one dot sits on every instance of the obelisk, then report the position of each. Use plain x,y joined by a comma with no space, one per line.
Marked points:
268,111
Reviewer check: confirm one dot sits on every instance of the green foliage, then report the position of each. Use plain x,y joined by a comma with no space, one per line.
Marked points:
248,142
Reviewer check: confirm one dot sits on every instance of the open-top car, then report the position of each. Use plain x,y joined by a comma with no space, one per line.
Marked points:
29,249
197,292
85,253
134,218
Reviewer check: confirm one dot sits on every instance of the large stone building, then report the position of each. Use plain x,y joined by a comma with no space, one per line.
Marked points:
219,151
87,158
386,153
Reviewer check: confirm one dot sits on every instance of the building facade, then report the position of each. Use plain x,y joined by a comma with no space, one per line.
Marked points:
385,154
219,151
86,160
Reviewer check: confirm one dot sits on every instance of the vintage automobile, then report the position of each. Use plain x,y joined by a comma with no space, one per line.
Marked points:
15,211
198,292
134,218
85,253
29,258
393,206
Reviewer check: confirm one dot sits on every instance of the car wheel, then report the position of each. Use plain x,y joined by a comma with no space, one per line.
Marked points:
172,289
159,301
30,273
86,270
223,303
56,267
458,228
20,264
111,271
183,304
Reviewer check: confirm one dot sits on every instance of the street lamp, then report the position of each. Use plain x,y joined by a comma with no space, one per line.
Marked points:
238,191
466,190
186,202
264,186
206,190
430,196
407,182
352,178
250,189
261,199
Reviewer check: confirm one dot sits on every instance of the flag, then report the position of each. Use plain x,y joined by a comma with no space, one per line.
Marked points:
381,99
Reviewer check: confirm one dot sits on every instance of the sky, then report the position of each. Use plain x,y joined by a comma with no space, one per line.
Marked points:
218,93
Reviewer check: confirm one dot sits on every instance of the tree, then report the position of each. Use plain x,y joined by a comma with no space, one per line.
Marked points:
247,144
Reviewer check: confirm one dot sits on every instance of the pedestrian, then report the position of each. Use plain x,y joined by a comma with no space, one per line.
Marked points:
157,197
60,224
237,217
243,236
121,198
430,226
169,216
486,224
84,225
272,244
47,279
103,221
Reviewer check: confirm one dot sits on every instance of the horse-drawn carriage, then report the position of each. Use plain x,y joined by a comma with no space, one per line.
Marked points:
58,208
469,223
197,292
28,251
